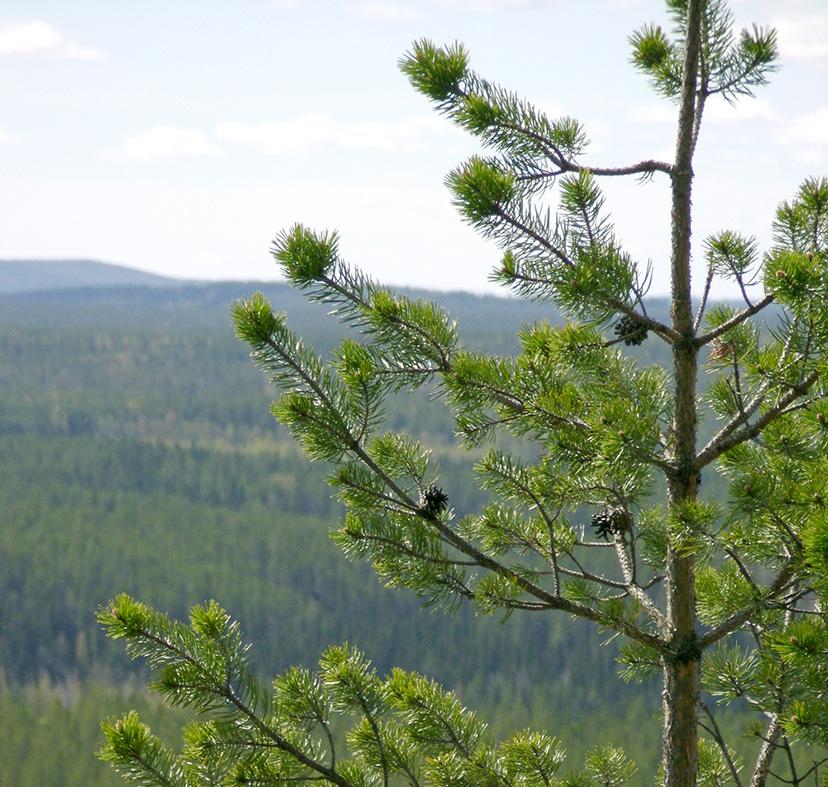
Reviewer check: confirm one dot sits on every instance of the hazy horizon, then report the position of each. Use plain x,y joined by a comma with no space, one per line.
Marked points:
179,139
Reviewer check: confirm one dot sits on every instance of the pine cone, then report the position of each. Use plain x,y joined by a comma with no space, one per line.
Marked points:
630,330
609,521
433,501
602,523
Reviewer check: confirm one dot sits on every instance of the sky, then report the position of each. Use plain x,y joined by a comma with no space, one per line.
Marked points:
180,138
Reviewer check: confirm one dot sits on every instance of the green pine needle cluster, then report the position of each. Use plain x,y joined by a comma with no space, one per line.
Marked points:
731,66
403,726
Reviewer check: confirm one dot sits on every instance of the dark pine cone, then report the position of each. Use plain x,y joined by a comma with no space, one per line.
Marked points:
609,521
433,500
630,330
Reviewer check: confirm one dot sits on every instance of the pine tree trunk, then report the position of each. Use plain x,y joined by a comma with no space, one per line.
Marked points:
680,736
680,697
681,667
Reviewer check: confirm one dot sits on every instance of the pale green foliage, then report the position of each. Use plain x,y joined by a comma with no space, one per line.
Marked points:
609,765
721,592
730,671
802,648
495,194
499,118
592,407
640,662
730,66
600,436
136,754
731,255
714,770
403,724
691,528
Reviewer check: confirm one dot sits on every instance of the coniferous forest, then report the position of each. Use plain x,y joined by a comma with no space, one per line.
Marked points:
137,455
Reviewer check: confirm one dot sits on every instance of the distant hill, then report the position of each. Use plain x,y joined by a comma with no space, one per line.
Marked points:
34,275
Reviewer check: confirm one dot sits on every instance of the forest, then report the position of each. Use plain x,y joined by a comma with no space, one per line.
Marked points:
137,455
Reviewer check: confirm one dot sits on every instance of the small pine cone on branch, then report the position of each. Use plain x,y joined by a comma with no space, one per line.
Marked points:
630,331
433,501
610,521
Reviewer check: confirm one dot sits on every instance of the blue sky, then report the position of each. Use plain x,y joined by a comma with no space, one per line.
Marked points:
180,137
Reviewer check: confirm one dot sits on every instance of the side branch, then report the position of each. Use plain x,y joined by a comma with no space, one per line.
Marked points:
361,303
665,331
449,536
226,692
735,320
285,745
642,168
564,164
716,733
770,742
550,600
635,590
738,619
648,167
727,438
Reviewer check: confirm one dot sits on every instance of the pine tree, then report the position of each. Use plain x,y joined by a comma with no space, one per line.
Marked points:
725,598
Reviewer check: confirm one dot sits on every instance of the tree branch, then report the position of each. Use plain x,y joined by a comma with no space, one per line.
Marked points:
700,313
659,328
726,440
635,590
735,320
786,745
407,550
738,619
716,733
463,546
770,742
225,691
556,155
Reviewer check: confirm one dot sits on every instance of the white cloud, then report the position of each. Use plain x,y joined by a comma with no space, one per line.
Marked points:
807,131
550,108
811,156
716,112
384,10
746,110
598,133
742,155
490,4
314,132
164,142
37,37
305,134
803,38
665,153
653,114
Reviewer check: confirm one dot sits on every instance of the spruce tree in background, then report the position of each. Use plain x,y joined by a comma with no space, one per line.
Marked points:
723,597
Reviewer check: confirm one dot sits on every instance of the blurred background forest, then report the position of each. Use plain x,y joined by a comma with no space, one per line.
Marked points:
137,454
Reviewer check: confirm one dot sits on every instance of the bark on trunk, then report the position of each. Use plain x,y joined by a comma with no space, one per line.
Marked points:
681,701
681,665
681,668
